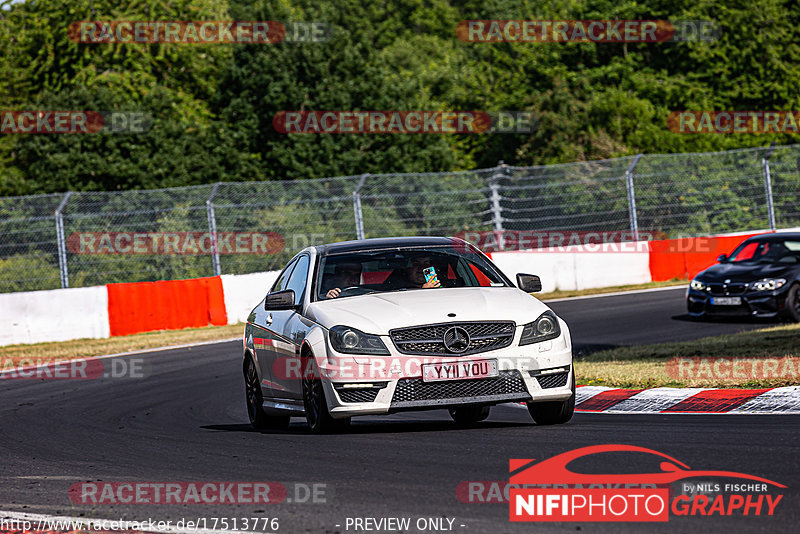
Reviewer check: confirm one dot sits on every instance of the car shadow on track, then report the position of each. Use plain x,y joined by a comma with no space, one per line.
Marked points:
374,427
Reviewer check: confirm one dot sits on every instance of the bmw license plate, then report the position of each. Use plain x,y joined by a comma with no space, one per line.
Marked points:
432,372
726,301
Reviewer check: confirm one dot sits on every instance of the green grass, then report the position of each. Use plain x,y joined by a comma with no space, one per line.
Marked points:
84,348
645,366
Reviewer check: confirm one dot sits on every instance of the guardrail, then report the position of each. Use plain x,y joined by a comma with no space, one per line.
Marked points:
79,239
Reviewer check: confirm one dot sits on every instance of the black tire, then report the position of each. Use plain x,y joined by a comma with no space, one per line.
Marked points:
318,417
793,303
468,415
255,401
553,413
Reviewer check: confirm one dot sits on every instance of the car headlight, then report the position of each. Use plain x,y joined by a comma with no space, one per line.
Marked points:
544,328
352,341
697,285
768,284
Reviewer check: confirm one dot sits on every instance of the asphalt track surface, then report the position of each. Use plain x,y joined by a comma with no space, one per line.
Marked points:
186,421
641,318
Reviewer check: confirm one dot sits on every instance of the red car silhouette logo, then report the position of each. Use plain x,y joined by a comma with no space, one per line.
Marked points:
554,470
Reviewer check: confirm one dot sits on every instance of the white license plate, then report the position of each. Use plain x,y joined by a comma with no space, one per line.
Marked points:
432,372
726,301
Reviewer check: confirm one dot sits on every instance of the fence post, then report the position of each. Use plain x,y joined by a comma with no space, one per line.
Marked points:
632,197
768,185
496,208
62,244
212,229
357,207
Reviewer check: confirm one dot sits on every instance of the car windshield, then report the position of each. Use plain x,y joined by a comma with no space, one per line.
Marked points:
358,273
766,251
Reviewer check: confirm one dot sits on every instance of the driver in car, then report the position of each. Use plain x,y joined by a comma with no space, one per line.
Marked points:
344,275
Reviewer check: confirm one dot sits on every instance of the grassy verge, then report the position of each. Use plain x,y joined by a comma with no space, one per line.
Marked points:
646,366
83,348
559,294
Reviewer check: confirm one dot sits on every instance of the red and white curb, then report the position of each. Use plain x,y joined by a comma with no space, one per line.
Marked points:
598,399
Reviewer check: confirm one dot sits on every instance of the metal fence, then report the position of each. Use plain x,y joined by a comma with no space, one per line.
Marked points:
669,195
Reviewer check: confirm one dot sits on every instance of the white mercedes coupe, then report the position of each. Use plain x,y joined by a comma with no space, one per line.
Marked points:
379,326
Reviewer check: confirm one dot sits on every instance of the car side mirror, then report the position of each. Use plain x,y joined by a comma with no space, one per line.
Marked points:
280,300
529,283
723,258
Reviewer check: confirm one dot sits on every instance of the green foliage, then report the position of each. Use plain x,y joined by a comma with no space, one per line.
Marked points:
25,272
213,104
212,108
173,151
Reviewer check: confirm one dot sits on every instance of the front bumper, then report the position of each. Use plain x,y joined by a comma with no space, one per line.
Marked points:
538,372
753,304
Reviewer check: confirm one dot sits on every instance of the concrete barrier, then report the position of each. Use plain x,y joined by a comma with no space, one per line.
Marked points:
54,315
243,291
576,269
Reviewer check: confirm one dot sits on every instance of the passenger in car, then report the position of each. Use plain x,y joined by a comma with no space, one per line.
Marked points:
413,276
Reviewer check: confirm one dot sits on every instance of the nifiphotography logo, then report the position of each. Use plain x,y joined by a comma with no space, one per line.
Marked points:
549,491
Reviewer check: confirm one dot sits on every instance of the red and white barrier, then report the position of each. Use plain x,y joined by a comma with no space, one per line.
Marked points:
122,309
165,305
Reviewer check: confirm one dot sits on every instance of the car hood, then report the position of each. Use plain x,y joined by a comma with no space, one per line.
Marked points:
377,313
744,272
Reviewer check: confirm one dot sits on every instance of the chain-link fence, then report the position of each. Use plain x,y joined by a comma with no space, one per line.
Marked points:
80,239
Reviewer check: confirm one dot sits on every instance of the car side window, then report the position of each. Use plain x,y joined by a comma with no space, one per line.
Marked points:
281,282
297,280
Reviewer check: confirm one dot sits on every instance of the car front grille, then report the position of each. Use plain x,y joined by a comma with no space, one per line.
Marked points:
726,289
556,380
429,339
507,386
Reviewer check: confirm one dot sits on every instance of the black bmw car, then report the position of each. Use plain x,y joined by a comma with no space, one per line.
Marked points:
761,278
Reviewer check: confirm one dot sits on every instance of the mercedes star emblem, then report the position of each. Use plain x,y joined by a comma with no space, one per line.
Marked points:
456,339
